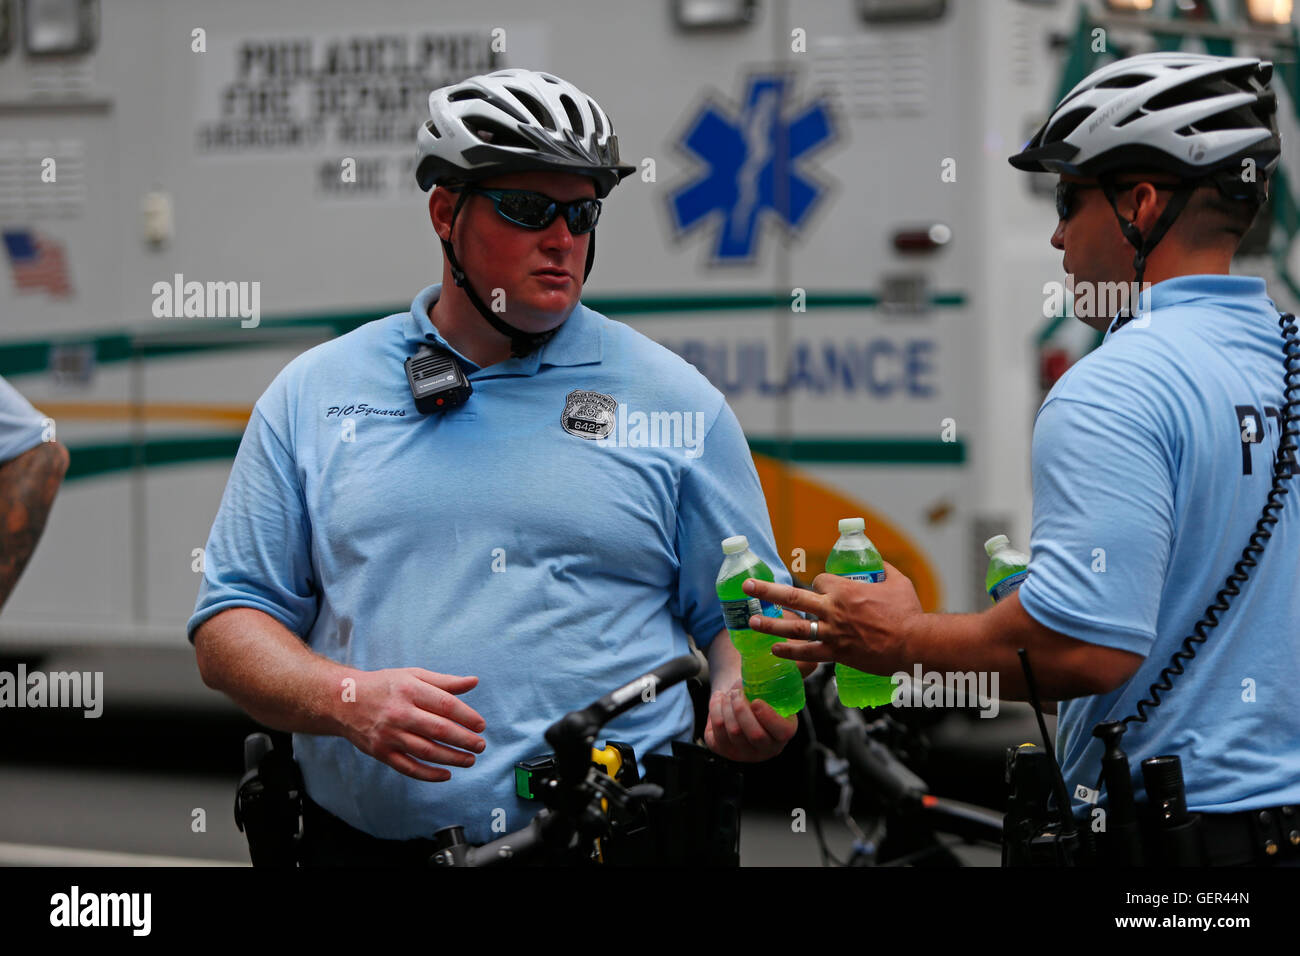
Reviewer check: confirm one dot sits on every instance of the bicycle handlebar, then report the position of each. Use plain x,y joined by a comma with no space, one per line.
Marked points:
877,763
572,737
874,761
573,734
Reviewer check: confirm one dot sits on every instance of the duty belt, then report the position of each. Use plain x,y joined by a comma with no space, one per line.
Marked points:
1261,837
1252,837
329,841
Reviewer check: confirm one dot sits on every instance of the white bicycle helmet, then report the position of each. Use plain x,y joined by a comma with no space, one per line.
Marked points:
1195,116
1188,114
516,121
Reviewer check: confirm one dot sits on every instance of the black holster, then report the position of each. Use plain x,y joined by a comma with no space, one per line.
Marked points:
268,803
696,823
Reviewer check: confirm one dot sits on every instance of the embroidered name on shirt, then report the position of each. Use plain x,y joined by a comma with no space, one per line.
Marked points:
342,411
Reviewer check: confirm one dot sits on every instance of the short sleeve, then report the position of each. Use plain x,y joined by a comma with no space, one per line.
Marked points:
21,426
259,552
720,496
1103,525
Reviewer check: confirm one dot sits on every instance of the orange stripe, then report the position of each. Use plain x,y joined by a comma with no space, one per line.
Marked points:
808,513
158,411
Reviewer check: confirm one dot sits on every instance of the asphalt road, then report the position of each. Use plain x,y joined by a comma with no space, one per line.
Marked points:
71,816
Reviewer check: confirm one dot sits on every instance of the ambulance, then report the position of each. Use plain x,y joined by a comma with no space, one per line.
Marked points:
822,220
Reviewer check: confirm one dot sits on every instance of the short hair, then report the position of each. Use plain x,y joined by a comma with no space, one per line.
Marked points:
1214,218
1210,218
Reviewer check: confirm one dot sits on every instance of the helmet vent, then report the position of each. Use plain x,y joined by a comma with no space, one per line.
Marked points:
595,115
1068,123
433,130
1136,114
575,118
1225,120
469,94
540,114
490,131
1179,96
1122,82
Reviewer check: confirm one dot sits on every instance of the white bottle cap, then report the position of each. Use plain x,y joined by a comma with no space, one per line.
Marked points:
996,543
735,544
849,525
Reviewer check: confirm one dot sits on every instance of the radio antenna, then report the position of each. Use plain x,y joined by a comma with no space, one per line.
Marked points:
1058,782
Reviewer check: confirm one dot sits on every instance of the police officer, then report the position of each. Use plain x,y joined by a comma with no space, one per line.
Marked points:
1153,458
408,593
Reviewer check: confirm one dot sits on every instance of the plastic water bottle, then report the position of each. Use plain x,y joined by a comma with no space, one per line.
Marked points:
1008,567
856,558
763,676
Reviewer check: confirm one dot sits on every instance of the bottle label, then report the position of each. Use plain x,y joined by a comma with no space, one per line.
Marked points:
1008,584
872,577
736,614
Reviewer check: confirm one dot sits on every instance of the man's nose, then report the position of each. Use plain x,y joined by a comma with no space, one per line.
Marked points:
1058,237
556,236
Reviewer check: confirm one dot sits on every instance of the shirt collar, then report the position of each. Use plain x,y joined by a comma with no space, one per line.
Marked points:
1183,289
579,341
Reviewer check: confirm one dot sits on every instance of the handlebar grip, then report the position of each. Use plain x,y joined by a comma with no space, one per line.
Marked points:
580,726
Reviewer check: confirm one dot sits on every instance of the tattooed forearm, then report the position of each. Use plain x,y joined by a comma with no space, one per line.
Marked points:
28,484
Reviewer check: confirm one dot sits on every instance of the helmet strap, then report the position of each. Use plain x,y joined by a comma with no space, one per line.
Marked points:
521,343
1144,245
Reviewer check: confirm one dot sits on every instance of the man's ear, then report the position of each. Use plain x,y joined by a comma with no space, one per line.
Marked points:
438,206
1156,209
433,219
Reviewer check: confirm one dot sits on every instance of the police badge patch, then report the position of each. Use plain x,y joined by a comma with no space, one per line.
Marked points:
589,415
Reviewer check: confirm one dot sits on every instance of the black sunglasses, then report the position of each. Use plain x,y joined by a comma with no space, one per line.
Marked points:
1065,192
533,210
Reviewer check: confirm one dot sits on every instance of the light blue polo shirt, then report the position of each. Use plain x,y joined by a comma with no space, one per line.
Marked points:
21,426
505,539
1145,495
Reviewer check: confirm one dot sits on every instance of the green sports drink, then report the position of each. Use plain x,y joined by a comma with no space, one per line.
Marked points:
763,676
856,558
1008,567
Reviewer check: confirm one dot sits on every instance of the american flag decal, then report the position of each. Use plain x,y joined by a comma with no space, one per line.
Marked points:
37,263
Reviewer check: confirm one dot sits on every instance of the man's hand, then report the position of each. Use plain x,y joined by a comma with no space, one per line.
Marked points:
403,716
881,629
861,624
738,729
744,731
